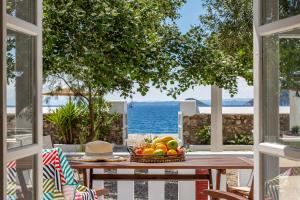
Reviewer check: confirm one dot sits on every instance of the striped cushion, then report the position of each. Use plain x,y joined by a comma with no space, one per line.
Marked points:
11,190
59,180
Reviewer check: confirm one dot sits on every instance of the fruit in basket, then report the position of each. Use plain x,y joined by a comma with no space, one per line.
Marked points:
155,141
172,152
148,151
159,152
180,151
138,151
172,144
162,147
166,139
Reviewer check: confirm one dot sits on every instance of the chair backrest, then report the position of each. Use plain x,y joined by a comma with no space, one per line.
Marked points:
47,142
251,185
59,179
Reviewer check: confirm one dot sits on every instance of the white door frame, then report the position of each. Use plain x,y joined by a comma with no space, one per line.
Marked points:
261,147
10,22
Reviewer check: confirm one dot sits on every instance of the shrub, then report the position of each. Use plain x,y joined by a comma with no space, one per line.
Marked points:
203,134
240,139
295,130
65,119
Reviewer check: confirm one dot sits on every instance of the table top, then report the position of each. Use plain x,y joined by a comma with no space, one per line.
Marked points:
192,162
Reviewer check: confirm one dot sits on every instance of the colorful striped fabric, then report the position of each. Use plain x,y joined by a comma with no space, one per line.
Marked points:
59,181
11,189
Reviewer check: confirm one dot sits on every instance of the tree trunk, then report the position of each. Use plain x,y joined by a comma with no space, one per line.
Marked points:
91,117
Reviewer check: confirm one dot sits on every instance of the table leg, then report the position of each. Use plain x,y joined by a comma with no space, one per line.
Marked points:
84,177
210,179
91,178
218,178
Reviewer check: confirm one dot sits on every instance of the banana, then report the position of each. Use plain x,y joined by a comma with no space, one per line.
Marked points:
166,139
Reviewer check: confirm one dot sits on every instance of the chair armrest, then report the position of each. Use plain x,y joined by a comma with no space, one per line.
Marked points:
101,192
223,195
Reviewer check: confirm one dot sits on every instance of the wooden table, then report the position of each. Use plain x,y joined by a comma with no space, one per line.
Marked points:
192,162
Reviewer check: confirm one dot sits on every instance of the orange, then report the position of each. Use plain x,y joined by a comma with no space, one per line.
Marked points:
138,151
172,152
148,151
162,147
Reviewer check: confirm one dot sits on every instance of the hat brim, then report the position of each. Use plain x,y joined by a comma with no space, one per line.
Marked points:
86,158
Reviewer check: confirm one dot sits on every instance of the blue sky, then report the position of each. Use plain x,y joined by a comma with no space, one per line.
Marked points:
189,16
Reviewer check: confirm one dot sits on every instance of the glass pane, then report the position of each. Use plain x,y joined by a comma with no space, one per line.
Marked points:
281,60
20,178
20,85
274,10
23,9
237,114
281,178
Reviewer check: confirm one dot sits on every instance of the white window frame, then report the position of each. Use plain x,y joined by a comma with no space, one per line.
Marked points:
261,147
10,22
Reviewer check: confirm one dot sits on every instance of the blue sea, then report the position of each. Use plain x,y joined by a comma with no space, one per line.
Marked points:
150,117
153,117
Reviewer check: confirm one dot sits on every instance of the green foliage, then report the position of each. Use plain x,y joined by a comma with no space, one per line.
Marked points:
102,119
225,51
295,130
105,46
204,134
72,122
150,139
65,119
240,139
289,63
225,47
100,46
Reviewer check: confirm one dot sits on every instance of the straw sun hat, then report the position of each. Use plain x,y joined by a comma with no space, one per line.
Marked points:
99,151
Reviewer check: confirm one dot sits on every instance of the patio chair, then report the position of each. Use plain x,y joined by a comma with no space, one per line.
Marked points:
58,179
233,193
272,187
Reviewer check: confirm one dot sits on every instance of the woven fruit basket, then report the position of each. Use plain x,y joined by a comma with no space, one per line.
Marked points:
158,150
156,159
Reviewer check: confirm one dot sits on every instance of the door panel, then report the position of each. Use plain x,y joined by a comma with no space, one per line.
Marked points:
281,75
24,9
20,87
274,10
277,99
21,113
21,178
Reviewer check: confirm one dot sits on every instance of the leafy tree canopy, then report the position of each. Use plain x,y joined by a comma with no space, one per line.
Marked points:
219,48
106,45
109,46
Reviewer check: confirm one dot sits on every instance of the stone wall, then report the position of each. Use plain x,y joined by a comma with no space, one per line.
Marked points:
232,124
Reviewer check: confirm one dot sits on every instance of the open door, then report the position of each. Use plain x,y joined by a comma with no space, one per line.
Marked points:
277,99
21,107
